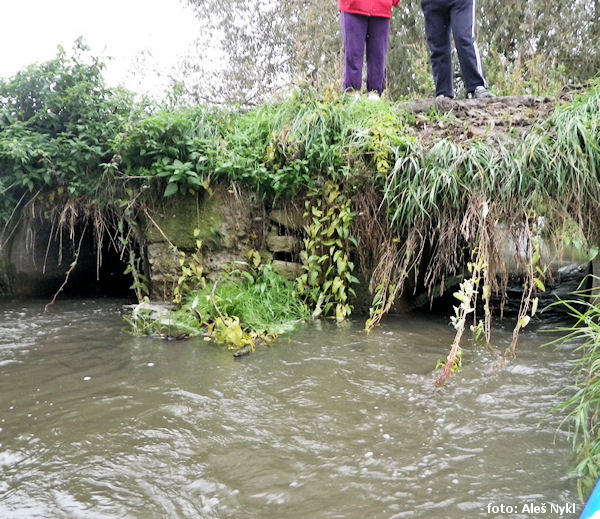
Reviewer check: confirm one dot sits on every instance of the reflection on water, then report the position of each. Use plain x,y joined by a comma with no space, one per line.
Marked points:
327,423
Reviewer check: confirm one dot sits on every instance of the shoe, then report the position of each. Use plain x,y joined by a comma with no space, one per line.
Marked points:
443,96
373,96
480,92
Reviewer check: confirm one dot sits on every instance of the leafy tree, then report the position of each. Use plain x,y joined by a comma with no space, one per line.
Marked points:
533,39
263,47
259,48
57,121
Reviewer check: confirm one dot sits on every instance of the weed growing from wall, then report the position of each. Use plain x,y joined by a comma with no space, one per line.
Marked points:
328,278
192,272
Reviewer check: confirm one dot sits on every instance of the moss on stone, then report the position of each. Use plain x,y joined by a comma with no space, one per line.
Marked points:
178,218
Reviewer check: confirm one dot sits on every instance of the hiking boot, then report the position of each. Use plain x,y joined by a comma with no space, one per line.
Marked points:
480,92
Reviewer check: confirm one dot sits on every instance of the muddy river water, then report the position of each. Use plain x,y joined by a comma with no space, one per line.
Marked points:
326,423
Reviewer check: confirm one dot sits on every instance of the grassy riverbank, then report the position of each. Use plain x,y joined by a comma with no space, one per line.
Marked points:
402,200
385,196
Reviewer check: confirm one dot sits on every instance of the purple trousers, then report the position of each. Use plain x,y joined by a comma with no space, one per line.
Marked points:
360,32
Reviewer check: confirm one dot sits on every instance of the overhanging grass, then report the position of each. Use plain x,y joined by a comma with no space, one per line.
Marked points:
583,408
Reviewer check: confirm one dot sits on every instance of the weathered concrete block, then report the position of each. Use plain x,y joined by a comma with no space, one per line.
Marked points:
222,219
164,262
288,269
289,244
226,225
291,218
5,284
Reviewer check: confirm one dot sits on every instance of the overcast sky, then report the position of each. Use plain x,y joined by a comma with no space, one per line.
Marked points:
155,32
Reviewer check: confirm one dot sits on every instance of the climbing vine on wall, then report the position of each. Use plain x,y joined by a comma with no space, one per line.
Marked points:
328,278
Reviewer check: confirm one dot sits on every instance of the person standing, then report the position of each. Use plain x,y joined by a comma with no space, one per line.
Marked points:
442,17
365,25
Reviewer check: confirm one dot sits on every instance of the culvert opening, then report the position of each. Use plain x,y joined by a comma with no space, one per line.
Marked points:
99,275
44,258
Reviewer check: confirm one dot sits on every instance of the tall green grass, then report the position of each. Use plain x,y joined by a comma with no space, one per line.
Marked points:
243,306
263,301
284,149
583,408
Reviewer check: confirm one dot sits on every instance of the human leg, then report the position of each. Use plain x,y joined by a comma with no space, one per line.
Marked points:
463,30
377,42
437,32
354,33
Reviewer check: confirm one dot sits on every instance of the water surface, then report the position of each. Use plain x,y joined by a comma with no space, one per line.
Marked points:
326,423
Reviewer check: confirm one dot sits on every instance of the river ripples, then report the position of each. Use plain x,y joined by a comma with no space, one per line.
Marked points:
326,423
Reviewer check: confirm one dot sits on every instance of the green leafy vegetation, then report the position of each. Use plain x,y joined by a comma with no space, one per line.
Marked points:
246,305
57,121
179,147
376,191
259,297
327,282
583,408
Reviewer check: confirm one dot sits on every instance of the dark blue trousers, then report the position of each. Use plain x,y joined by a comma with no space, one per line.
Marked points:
441,17
359,33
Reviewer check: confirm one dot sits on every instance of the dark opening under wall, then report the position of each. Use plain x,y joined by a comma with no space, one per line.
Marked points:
99,275
41,259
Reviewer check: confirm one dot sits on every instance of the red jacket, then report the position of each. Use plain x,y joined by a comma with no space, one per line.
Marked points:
382,8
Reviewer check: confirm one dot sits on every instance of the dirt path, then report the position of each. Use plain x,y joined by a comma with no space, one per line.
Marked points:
468,119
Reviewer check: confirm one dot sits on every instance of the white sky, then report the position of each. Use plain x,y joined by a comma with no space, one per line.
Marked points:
126,30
